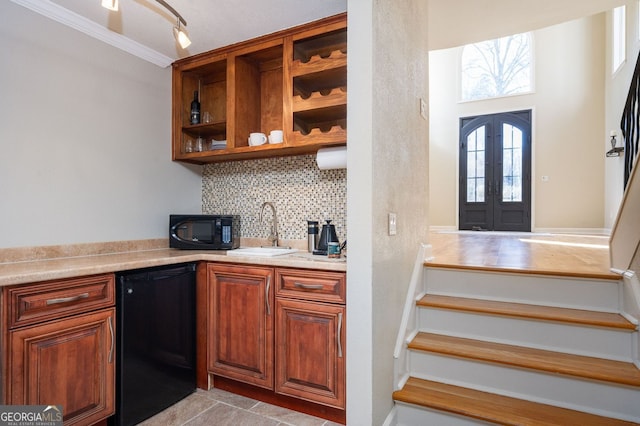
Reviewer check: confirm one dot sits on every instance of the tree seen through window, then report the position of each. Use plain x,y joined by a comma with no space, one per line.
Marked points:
498,67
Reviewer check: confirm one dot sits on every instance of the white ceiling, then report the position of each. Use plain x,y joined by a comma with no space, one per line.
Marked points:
145,28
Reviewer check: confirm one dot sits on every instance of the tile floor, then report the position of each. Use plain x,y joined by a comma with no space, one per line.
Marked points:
221,408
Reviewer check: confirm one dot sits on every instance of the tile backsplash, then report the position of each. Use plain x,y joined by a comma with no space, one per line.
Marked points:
295,185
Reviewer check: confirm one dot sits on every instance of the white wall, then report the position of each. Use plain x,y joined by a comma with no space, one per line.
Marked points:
617,89
360,217
457,22
85,139
568,127
387,158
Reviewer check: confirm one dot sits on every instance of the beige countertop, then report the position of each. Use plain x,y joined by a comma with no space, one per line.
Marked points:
42,269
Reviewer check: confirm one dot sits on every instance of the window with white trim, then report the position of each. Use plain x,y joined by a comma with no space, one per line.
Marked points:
495,68
618,36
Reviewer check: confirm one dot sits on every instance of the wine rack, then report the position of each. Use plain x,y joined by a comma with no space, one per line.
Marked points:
318,97
294,80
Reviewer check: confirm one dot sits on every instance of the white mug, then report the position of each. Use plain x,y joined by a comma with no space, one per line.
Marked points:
256,139
275,136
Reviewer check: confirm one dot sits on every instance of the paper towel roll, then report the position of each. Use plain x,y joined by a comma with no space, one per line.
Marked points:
332,158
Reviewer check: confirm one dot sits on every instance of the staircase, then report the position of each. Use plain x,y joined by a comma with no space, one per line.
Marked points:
499,346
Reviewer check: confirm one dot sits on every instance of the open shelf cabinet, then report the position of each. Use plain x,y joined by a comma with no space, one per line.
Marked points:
294,80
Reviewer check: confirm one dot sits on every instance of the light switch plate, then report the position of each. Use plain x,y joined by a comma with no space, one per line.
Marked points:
423,108
392,224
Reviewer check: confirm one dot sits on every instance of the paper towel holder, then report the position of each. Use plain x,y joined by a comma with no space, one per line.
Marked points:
334,157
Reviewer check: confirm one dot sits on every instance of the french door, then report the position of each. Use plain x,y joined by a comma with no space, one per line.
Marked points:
495,172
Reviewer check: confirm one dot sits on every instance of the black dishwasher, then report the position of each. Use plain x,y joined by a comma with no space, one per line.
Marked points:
156,340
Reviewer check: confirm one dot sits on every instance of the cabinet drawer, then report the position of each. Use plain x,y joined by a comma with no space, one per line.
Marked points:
43,301
322,286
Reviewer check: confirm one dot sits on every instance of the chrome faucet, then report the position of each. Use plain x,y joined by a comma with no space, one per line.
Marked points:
273,236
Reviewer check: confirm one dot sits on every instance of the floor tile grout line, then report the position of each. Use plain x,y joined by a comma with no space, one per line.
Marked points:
201,412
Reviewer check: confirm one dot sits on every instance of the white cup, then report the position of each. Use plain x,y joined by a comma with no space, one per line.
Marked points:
256,139
275,136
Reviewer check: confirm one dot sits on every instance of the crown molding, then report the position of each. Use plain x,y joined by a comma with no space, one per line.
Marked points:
71,19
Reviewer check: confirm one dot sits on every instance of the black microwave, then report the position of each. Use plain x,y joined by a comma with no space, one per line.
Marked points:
204,231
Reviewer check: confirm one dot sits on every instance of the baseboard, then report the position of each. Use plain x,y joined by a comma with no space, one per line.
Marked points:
392,418
578,231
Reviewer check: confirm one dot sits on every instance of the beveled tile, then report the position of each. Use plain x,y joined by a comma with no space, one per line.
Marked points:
286,416
226,415
182,411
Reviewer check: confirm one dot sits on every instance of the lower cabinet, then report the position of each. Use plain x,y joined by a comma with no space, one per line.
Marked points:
241,316
310,351
282,329
68,361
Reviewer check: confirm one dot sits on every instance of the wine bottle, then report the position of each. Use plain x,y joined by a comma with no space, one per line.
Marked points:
195,109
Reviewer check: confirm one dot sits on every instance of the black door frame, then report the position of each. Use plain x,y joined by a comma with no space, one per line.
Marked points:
492,213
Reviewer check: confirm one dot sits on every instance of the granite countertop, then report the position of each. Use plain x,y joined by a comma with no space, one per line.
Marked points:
19,270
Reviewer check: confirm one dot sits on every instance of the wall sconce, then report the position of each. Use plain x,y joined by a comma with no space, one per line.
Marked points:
615,150
180,35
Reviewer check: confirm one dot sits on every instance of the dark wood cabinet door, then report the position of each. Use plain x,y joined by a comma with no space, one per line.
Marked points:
310,351
241,313
68,362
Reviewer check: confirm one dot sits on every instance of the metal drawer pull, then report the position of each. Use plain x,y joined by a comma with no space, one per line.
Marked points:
309,286
266,293
340,335
113,340
67,299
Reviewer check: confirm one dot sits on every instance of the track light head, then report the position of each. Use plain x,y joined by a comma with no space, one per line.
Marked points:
110,4
181,37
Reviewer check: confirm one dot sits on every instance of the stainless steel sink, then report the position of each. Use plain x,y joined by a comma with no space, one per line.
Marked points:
261,251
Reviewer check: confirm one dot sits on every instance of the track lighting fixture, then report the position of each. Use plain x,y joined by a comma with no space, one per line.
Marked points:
181,37
178,32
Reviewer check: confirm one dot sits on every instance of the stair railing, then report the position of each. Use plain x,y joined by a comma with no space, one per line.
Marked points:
630,123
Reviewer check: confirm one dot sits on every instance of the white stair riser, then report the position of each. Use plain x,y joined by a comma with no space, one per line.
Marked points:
553,389
411,415
581,340
589,294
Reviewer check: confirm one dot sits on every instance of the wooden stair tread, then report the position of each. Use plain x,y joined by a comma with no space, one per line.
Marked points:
609,276
521,310
494,408
517,356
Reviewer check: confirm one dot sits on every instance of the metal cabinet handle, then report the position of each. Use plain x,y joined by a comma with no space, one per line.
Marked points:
308,286
340,335
67,299
266,294
113,341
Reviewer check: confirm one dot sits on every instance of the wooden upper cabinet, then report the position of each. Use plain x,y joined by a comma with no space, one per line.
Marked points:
294,80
